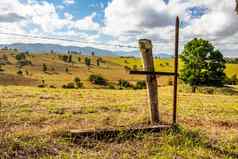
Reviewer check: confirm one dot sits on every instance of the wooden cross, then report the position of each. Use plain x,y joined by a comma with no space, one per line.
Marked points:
146,47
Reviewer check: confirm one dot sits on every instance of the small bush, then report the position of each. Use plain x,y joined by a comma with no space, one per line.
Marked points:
127,68
87,61
124,84
44,68
67,70
52,86
41,86
97,79
78,82
19,72
140,85
69,86
23,62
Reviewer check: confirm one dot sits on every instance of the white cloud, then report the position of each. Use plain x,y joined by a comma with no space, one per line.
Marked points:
155,19
126,21
41,17
69,1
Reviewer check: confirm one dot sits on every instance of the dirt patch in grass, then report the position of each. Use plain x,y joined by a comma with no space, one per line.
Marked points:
8,79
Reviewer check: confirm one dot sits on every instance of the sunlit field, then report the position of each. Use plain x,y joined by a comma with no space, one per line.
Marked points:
34,122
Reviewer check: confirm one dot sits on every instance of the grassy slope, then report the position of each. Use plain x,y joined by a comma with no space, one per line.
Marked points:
113,70
33,121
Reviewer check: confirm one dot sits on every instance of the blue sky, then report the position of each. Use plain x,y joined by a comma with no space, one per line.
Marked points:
122,22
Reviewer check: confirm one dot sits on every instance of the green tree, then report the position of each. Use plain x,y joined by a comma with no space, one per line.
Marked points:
44,67
20,56
87,61
79,59
98,61
78,82
70,59
203,64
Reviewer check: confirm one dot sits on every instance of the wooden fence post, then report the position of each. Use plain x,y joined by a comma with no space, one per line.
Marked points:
176,71
146,51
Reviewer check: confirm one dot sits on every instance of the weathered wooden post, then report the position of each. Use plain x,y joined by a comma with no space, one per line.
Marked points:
176,71
146,47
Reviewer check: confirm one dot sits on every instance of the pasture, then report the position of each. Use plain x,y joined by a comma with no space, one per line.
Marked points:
34,122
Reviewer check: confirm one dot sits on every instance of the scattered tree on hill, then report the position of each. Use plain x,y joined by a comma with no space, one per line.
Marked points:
67,70
98,61
97,79
127,68
124,84
21,60
231,60
203,64
70,59
87,61
44,67
79,59
65,58
20,56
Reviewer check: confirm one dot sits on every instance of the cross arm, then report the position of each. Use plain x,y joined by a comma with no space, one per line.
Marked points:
152,73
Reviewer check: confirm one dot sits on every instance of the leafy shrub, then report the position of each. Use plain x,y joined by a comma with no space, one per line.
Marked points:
23,62
127,68
124,84
79,59
52,86
69,86
19,72
97,79
44,67
67,70
78,82
41,86
87,61
20,56
140,85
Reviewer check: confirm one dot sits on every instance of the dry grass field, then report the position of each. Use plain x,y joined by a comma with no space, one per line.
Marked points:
34,122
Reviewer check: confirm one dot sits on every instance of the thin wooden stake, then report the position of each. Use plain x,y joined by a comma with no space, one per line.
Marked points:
146,51
176,72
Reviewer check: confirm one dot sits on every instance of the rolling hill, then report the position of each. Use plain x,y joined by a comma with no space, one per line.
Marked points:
46,48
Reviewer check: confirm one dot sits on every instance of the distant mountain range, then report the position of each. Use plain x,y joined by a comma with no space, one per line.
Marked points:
46,48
